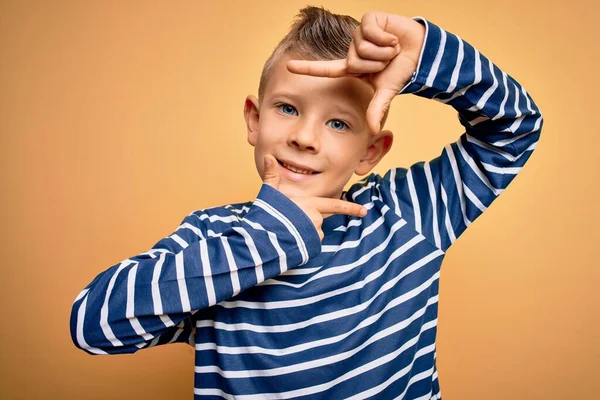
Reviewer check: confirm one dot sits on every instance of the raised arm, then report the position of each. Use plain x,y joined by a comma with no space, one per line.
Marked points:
150,299
502,127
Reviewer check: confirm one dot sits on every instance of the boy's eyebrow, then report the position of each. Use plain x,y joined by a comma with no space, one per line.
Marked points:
349,110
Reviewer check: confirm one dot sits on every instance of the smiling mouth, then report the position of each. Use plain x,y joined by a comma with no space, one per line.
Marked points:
297,170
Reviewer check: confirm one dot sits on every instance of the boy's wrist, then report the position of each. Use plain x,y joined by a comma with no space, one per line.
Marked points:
278,214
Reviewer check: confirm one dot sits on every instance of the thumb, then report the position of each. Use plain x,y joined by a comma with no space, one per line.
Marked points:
271,175
379,104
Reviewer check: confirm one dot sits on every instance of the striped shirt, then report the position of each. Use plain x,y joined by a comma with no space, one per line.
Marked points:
273,312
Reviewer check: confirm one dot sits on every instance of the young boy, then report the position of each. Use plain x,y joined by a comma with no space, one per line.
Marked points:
310,290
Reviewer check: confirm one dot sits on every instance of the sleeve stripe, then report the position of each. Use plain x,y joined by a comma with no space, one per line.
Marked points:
183,292
501,112
80,339
283,267
438,59
129,310
104,311
256,260
458,183
447,221
433,197
156,300
179,240
471,196
235,279
290,227
207,272
489,147
476,170
415,201
394,193
488,93
459,60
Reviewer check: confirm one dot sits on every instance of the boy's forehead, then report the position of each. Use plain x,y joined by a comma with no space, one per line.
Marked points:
347,90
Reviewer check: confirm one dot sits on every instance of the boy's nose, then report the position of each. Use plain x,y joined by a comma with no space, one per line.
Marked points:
305,137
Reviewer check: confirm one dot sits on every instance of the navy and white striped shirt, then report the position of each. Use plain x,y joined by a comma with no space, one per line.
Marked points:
273,312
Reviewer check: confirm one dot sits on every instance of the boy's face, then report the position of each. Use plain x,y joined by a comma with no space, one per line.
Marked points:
314,123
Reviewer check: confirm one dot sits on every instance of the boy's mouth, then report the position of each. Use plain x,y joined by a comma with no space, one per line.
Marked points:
296,168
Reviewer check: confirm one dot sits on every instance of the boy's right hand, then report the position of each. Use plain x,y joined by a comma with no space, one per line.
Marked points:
316,208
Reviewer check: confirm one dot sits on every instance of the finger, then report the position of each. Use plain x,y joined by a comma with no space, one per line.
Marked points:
337,206
330,69
370,51
377,107
373,26
271,174
357,65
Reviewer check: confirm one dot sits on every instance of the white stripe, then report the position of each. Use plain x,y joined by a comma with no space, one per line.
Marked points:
489,147
302,271
337,270
79,334
504,142
515,125
459,59
393,192
362,190
488,93
438,58
320,362
104,310
422,375
349,375
273,238
81,294
207,274
415,200
334,314
433,197
476,170
478,77
178,333
181,283
156,299
503,104
256,260
371,320
458,182
214,218
288,224
192,228
235,279
471,196
179,240
130,308
501,170
447,221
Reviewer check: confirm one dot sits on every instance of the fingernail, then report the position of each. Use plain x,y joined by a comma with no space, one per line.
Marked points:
268,161
363,212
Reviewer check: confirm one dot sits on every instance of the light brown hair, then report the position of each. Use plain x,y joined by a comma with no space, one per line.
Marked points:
315,34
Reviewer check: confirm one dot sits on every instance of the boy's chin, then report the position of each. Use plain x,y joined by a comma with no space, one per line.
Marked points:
291,190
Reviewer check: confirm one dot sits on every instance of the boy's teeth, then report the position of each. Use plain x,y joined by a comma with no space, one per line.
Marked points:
297,170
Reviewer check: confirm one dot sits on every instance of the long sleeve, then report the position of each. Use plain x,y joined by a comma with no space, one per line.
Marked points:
502,124
150,299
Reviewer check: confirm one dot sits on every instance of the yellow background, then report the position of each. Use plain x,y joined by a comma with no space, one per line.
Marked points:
118,120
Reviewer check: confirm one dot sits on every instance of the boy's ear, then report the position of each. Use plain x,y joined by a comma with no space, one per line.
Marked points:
251,114
379,145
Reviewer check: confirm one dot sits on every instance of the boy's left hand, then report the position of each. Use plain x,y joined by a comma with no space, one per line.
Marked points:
384,52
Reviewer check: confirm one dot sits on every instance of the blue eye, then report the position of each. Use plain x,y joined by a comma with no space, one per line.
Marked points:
286,108
338,125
